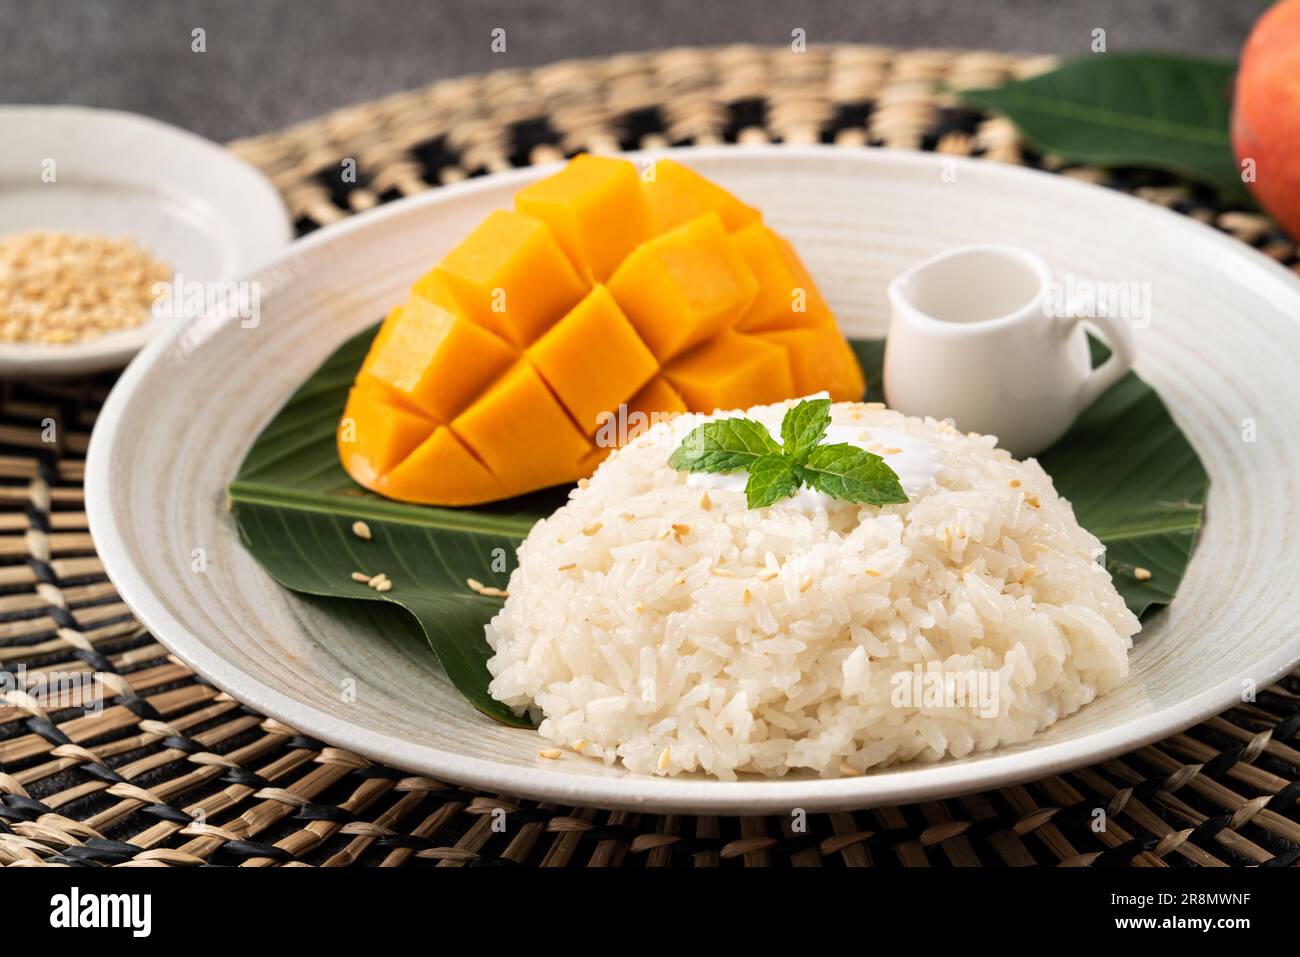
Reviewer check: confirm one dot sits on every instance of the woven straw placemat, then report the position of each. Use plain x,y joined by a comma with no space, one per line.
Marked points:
173,772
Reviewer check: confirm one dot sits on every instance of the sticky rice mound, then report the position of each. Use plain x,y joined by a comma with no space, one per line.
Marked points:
674,630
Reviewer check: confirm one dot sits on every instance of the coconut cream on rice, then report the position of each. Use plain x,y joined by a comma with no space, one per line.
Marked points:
671,628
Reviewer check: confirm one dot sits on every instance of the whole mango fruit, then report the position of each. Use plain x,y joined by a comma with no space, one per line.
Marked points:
1266,114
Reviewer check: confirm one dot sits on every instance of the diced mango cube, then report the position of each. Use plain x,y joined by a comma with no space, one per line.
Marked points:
511,276
596,209
787,296
434,360
378,343
733,371
378,353
441,471
522,433
678,195
593,358
820,359
657,396
684,287
374,435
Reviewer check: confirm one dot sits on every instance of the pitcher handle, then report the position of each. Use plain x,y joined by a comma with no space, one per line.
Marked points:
1123,351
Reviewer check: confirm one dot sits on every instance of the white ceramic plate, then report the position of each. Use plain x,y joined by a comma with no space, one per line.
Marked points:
193,205
1220,348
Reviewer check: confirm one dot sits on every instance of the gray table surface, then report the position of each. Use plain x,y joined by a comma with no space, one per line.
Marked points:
270,63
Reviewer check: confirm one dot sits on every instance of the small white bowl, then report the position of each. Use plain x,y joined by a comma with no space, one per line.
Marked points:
192,204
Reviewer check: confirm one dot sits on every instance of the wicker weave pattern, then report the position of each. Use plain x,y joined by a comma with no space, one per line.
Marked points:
173,772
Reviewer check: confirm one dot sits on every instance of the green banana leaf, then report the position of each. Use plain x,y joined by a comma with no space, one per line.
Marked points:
295,507
1146,110
1132,476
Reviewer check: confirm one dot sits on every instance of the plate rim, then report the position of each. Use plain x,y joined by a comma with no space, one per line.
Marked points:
899,785
114,350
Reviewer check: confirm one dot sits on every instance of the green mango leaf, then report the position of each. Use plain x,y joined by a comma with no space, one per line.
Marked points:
1133,478
1128,109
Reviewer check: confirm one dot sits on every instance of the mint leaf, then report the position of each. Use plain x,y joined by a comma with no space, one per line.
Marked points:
803,427
841,470
727,445
853,474
771,478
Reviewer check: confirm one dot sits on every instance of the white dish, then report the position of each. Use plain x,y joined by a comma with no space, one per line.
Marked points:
197,207
1220,348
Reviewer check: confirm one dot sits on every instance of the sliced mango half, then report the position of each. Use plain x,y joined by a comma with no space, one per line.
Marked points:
610,297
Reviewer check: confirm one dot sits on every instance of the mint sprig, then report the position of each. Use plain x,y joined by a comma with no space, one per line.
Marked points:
779,470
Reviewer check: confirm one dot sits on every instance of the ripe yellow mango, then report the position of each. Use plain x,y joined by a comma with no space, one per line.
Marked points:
655,402
677,195
441,471
657,396
734,371
590,380
787,296
379,352
559,330
684,286
597,210
519,430
374,434
511,276
435,361
820,359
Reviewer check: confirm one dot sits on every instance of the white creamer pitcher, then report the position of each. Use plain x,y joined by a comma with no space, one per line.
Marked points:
972,338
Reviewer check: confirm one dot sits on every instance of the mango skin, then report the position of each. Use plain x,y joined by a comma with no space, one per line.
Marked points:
1266,113
557,331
